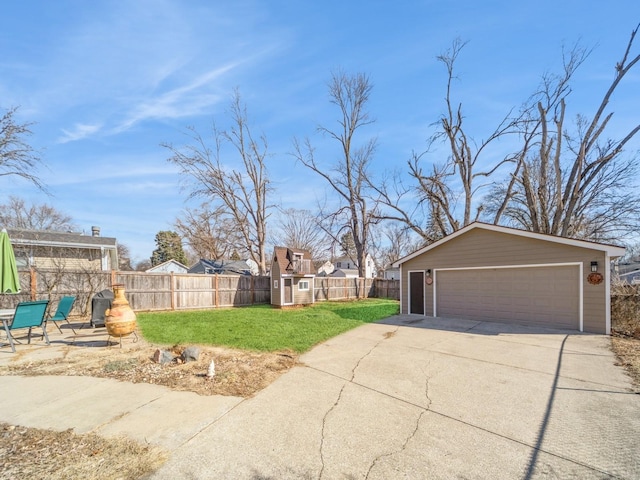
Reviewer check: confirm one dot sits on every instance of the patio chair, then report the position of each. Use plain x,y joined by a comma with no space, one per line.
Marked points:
28,315
62,313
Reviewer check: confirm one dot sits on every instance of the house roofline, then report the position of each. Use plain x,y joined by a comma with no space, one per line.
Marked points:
612,250
50,238
172,260
45,243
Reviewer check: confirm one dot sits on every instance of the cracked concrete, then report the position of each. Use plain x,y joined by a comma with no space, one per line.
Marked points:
409,398
385,336
437,399
388,456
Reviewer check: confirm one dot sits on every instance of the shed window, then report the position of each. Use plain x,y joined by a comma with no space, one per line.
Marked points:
303,285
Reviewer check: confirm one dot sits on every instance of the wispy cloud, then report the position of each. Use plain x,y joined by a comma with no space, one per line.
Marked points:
105,169
79,132
185,101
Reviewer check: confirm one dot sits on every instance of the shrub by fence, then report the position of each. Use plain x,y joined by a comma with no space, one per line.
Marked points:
166,291
625,310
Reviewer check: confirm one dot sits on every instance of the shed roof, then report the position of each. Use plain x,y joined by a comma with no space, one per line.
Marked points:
611,250
284,257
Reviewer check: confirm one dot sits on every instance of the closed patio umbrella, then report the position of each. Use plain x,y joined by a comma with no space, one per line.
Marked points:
9,280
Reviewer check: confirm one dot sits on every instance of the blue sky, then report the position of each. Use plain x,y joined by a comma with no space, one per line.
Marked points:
107,82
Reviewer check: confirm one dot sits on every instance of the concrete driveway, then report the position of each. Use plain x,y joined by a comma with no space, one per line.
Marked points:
416,398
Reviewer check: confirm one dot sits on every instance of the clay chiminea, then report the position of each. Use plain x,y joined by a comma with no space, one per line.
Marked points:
120,319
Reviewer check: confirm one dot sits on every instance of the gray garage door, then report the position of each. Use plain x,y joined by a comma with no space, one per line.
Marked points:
533,295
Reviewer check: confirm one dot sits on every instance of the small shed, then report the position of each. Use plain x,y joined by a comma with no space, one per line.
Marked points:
492,273
292,277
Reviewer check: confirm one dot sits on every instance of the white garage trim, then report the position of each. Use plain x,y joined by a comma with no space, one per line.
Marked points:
574,264
400,289
607,293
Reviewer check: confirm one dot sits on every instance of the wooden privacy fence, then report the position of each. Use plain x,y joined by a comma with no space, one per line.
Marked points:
160,291
173,291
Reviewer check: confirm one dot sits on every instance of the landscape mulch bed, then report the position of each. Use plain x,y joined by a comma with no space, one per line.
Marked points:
43,454
238,372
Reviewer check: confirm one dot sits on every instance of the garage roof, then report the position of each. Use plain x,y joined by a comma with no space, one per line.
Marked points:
611,250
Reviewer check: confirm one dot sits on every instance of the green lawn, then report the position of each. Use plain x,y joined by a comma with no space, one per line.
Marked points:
263,327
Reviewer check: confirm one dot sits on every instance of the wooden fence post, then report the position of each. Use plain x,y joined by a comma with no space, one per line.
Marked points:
172,288
217,296
34,283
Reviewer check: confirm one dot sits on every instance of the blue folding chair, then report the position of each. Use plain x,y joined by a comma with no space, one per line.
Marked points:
62,313
27,315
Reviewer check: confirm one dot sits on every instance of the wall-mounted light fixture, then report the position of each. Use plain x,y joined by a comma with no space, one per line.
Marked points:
594,266
428,272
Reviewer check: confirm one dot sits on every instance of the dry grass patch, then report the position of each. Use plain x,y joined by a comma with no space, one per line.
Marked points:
44,454
628,352
238,372
625,328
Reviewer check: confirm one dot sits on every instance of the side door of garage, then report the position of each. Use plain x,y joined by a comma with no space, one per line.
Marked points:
416,292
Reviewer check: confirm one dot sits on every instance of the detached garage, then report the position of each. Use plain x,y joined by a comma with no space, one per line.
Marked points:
492,273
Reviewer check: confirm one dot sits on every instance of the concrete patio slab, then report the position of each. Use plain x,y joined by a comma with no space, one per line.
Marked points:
410,397
171,419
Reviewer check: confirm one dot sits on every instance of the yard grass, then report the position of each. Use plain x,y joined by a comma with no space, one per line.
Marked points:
262,327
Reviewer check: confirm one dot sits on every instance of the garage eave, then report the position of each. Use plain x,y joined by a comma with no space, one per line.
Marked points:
612,251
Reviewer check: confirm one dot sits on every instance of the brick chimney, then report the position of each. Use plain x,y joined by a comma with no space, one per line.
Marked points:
95,231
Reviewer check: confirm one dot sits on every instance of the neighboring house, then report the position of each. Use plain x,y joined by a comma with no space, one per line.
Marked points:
170,266
346,264
391,273
629,273
325,269
346,273
222,267
63,250
490,273
292,277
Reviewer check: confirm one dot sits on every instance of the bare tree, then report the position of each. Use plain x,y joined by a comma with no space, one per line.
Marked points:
435,185
17,157
299,229
396,242
573,181
124,257
356,212
443,195
401,202
241,193
208,233
143,265
17,214
561,179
